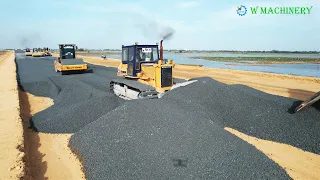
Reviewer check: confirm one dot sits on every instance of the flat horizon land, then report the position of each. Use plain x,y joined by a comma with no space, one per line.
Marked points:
256,60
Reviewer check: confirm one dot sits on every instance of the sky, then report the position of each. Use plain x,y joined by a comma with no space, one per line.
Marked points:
200,24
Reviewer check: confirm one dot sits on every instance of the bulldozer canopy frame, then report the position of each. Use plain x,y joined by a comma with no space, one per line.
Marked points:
135,55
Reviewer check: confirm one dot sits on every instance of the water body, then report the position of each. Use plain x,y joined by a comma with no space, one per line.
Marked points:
312,70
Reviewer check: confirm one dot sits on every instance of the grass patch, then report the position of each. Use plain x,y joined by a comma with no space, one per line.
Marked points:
266,60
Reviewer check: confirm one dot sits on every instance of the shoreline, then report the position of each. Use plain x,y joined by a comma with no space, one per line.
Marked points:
229,64
209,52
239,60
113,62
260,60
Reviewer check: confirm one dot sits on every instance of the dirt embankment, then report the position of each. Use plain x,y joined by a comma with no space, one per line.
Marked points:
297,87
48,155
12,154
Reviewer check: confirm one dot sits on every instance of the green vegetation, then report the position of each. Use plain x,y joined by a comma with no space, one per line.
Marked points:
265,60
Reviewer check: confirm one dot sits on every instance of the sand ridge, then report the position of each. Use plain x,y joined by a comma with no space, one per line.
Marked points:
12,154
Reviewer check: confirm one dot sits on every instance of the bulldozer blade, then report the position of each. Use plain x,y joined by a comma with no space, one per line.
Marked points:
183,84
309,102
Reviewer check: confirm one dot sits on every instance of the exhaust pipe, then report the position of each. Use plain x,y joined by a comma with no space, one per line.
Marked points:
161,50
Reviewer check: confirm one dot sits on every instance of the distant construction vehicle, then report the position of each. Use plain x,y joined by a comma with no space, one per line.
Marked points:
28,52
46,51
67,62
37,52
142,74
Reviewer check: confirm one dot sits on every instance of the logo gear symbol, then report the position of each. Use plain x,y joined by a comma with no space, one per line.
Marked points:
242,10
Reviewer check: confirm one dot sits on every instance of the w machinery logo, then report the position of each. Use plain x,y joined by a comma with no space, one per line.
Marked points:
242,10
283,10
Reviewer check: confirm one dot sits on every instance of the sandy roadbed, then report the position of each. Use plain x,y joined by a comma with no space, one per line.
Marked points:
11,142
48,155
297,87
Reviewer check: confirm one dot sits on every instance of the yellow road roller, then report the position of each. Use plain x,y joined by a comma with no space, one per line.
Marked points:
67,62
37,52
28,52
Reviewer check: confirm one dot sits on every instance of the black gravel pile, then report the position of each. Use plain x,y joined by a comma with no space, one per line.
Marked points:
252,112
78,99
76,105
160,139
74,117
180,136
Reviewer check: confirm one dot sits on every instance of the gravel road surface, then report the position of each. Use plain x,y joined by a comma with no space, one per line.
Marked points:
180,136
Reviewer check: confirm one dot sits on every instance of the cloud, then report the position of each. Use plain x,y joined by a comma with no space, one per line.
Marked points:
188,4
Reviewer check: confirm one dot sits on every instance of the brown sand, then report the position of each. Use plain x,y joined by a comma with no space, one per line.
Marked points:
48,155
297,163
11,132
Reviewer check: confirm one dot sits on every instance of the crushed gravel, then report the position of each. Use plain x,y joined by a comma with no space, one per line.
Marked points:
180,136
253,112
159,139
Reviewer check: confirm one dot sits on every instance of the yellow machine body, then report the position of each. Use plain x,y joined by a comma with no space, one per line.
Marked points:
78,67
28,53
150,74
67,62
37,54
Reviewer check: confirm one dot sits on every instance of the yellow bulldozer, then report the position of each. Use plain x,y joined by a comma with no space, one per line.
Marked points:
143,73
67,62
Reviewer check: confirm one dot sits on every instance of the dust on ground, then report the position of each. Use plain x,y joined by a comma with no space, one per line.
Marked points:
48,155
297,163
11,132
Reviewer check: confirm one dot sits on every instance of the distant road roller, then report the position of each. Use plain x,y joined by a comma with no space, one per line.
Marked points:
37,52
28,52
142,74
67,62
